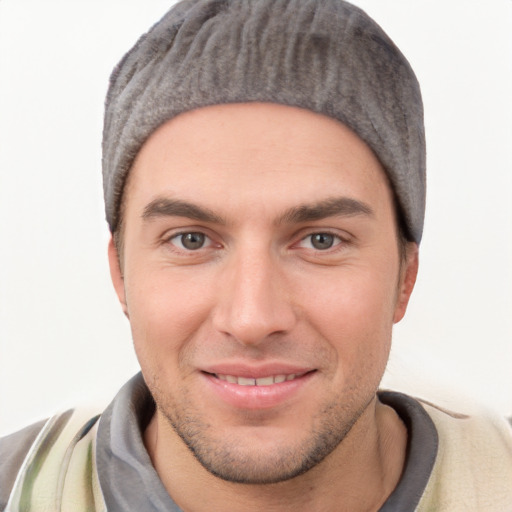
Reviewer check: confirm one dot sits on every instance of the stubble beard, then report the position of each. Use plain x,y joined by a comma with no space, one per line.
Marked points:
222,456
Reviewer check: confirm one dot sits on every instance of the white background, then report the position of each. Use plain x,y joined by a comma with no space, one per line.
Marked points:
63,338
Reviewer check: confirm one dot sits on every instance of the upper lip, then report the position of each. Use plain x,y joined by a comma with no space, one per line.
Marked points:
255,371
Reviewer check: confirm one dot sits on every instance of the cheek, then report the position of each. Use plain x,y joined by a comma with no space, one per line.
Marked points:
354,312
356,297
166,309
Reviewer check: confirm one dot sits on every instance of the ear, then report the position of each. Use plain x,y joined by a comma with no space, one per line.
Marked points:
408,275
116,274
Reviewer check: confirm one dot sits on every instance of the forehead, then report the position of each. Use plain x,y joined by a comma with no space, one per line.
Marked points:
233,155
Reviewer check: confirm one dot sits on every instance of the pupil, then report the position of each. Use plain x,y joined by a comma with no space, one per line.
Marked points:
192,240
322,241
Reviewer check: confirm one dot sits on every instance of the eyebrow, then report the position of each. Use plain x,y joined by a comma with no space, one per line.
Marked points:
338,206
332,207
163,207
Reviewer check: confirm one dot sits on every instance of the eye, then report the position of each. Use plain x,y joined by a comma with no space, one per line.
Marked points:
320,241
190,241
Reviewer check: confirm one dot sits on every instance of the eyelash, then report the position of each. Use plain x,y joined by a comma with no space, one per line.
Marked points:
180,235
337,241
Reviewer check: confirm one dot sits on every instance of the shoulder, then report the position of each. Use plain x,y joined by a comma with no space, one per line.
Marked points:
473,467
57,456
13,450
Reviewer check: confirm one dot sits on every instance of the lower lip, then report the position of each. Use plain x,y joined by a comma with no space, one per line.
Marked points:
257,397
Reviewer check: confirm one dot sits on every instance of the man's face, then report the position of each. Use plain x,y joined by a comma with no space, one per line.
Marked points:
261,276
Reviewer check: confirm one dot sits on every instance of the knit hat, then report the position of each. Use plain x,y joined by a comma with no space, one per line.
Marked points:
323,55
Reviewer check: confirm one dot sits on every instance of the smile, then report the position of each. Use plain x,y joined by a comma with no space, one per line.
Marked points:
262,381
256,389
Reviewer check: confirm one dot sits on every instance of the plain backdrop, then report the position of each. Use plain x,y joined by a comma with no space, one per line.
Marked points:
63,338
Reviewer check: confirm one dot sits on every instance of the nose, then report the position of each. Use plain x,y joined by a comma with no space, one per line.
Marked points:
254,301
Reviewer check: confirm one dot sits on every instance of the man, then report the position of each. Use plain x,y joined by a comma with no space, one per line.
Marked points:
264,170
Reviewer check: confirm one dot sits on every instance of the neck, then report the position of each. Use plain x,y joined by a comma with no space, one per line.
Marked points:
358,475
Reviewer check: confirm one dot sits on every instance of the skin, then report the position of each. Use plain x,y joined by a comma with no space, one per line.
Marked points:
265,183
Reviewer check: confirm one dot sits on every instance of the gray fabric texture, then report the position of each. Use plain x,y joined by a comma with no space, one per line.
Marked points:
422,447
323,55
13,450
130,482
128,479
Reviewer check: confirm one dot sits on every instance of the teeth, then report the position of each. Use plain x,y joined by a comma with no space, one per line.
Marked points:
242,381
263,381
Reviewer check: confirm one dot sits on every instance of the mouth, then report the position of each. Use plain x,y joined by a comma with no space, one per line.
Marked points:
260,381
257,389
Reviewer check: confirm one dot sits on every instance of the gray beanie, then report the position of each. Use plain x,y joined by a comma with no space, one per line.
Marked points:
323,55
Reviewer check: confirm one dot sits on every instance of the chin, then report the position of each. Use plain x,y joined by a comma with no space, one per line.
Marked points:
262,455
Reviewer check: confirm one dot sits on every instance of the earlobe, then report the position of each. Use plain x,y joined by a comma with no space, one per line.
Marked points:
407,281
116,274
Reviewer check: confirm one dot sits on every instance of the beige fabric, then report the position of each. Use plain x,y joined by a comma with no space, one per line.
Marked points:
59,473
473,469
